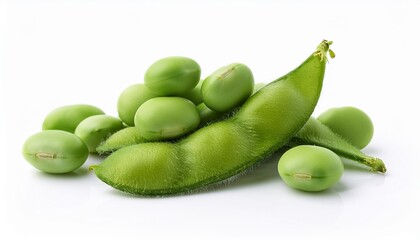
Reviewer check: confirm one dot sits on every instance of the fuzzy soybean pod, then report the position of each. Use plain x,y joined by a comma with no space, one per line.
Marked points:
316,133
122,138
312,133
223,149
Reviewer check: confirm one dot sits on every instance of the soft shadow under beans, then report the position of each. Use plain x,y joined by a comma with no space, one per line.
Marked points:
79,173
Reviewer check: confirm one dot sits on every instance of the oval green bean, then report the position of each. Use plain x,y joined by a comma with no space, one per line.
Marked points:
207,115
310,168
206,156
194,95
228,87
131,99
351,123
96,129
166,118
55,151
67,118
172,75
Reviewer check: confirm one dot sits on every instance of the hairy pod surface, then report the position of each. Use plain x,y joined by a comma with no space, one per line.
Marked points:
316,133
266,121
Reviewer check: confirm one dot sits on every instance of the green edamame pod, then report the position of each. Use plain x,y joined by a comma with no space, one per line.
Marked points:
206,156
312,133
67,118
316,133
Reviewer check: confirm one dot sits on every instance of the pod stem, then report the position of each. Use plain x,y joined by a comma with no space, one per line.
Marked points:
376,164
92,167
322,50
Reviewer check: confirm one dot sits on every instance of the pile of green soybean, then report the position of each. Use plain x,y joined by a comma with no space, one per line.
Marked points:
176,133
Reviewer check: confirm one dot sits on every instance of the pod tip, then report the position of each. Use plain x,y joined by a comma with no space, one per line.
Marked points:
323,48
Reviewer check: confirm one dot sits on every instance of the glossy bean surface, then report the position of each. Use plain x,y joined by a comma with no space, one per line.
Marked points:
194,95
227,87
172,75
351,123
55,151
96,129
166,118
67,118
310,168
131,99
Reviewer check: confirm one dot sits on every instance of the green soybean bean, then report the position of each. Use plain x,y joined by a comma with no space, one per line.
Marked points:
55,151
316,133
67,118
207,115
257,87
228,87
96,129
194,95
131,99
166,118
131,135
172,75
310,168
223,149
351,123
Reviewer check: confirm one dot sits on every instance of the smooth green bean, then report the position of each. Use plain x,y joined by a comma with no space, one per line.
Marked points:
96,129
172,76
351,123
67,118
310,168
55,151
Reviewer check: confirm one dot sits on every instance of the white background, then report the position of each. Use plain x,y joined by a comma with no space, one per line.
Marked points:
55,53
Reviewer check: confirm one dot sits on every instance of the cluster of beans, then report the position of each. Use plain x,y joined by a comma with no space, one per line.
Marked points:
69,134
172,103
